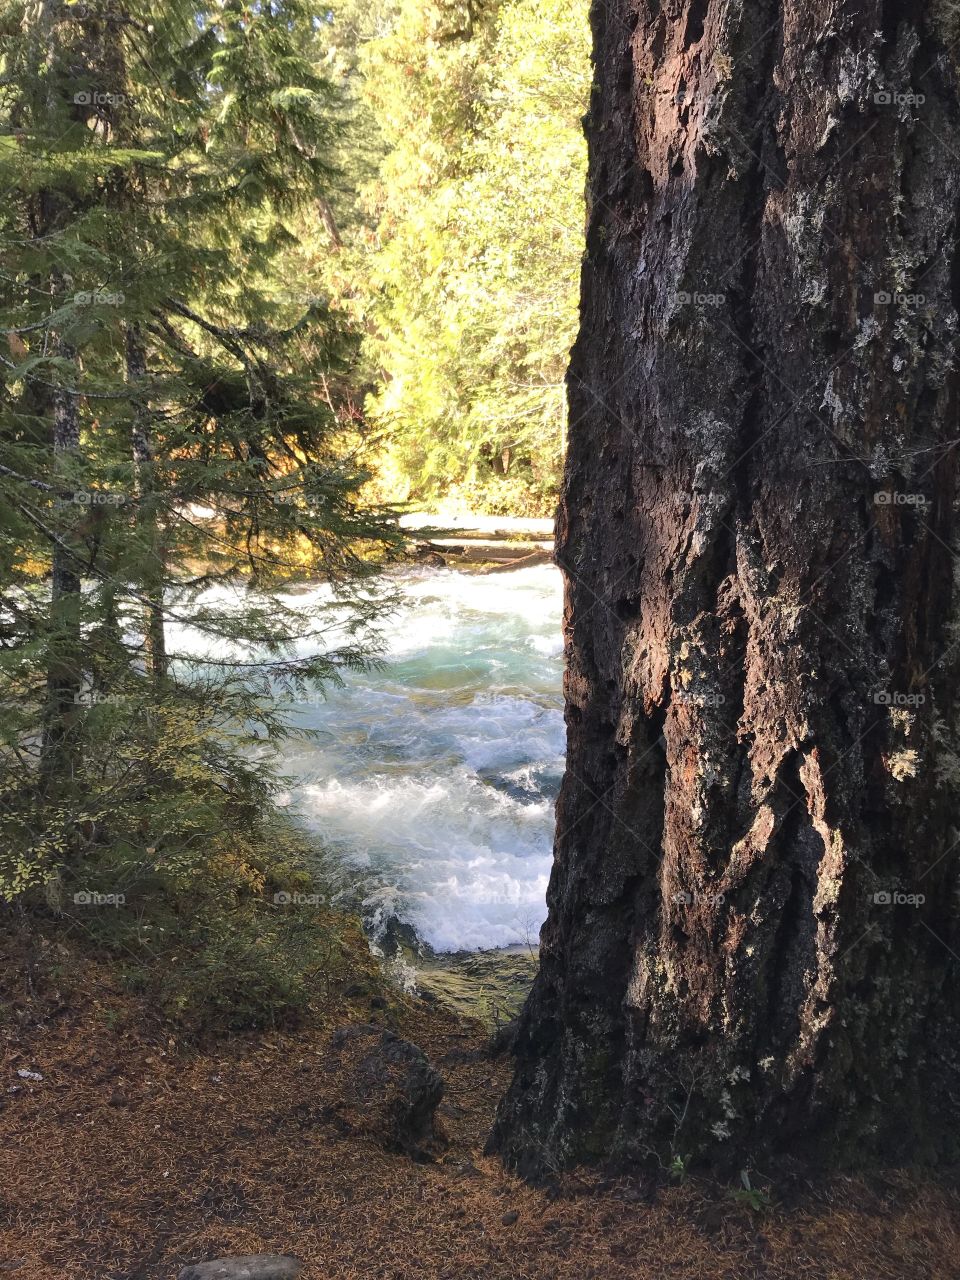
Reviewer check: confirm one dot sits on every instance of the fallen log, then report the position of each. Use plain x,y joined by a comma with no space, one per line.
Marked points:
526,562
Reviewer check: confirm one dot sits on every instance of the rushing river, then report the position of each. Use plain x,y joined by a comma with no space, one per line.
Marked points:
433,780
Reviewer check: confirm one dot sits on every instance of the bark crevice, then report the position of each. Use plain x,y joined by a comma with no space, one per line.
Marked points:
734,961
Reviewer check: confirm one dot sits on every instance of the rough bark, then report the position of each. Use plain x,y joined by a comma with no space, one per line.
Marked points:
64,673
54,42
68,49
154,567
756,531
60,409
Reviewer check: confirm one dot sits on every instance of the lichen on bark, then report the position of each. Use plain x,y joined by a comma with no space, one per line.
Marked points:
756,531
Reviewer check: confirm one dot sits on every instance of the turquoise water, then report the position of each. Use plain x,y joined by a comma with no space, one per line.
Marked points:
434,779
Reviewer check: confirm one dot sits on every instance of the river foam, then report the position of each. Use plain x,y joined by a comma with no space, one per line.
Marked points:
435,777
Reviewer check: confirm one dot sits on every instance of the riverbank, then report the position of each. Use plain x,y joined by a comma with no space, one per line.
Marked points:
483,526
136,1153
488,986
479,543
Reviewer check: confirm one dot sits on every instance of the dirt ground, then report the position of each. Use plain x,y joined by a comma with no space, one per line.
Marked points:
136,1154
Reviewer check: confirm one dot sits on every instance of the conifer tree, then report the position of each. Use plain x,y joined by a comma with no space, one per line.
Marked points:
172,430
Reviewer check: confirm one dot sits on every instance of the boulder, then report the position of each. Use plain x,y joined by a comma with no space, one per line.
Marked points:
389,1087
258,1266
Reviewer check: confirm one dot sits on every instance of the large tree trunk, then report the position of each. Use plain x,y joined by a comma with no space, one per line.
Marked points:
756,531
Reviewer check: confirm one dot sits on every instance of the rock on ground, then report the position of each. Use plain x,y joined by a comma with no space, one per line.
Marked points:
389,1086
260,1266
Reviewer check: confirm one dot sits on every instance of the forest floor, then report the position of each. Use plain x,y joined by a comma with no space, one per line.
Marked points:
136,1154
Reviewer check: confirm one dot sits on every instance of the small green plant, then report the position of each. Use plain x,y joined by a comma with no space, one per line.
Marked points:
678,1168
752,1197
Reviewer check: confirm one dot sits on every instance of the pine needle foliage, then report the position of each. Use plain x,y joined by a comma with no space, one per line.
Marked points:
178,445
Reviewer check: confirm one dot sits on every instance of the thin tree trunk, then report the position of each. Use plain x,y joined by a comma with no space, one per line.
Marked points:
154,568
64,661
756,530
64,666
63,44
